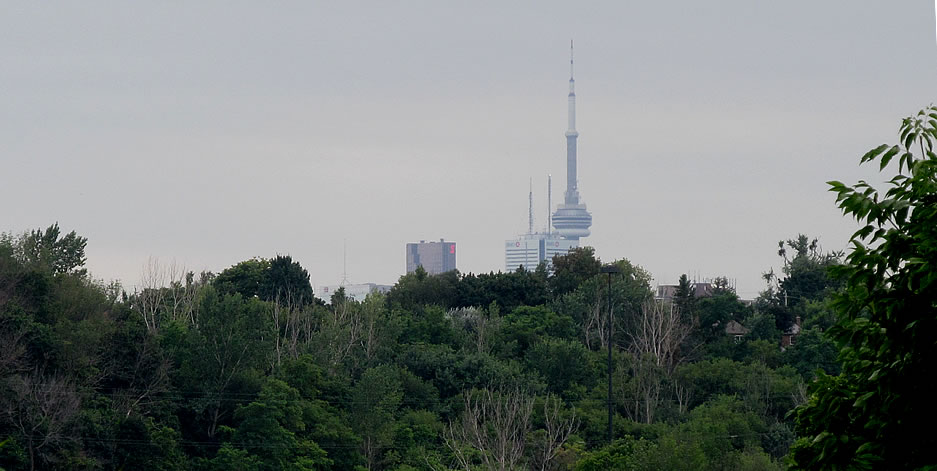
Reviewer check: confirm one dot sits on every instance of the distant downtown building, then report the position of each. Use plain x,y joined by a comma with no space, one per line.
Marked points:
529,250
701,289
434,257
358,291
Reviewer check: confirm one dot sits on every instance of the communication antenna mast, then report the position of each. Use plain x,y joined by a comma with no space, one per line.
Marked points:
344,262
549,204
530,207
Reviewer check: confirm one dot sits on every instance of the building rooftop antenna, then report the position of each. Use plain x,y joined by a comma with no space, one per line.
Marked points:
344,262
549,204
570,59
530,207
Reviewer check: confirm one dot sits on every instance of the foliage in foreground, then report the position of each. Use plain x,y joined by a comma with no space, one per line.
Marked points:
872,415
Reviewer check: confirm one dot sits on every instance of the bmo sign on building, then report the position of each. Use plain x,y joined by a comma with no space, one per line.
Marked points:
529,250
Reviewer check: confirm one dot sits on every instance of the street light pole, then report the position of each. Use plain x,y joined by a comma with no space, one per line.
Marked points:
610,269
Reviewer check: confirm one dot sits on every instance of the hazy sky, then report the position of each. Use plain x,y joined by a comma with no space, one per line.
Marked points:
211,132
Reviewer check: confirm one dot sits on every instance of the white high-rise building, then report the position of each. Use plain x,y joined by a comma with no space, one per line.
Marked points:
529,250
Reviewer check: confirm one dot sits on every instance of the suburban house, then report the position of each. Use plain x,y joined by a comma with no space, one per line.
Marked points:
789,335
736,330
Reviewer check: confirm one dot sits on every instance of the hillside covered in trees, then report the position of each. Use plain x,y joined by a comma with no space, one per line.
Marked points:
245,369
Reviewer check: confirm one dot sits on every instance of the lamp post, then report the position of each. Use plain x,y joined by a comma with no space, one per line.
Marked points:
610,269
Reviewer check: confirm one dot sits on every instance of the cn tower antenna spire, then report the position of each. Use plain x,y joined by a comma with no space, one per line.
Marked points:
572,193
570,59
549,203
530,208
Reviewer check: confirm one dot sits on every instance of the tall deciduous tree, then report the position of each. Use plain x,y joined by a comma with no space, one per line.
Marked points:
246,278
273,428
233,338
570,270
876,413
376,398
805,278
45,250
806,271
285,282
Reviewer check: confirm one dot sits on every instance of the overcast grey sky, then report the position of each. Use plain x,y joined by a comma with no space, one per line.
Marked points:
211,132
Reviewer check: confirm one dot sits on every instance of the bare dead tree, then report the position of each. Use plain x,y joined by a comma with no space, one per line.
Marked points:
40,409
12,349
150,296
339,333
761,384
148,376
799,396
625,387
228,361
494,425
595,327
557,430
683,394
655,344
647,383
166,292
175,296
476,323
282,305
182,295
300,325
660,332
371,314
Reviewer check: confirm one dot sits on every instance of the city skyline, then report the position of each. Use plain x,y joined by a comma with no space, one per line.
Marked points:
212,133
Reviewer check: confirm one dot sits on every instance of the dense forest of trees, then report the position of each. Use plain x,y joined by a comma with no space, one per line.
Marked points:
246,370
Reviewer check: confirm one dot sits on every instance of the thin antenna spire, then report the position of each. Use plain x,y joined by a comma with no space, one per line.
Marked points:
530,208
549,204
344,262
570,59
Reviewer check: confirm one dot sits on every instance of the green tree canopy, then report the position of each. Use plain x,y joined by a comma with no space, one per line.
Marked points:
45,250
279,279
286,281
245,278
570,270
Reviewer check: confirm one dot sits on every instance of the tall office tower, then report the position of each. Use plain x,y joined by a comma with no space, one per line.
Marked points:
434,257
571,218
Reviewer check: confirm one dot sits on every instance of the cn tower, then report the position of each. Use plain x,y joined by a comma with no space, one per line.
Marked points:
571,220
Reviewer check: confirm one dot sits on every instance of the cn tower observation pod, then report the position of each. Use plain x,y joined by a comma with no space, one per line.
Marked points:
572,221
